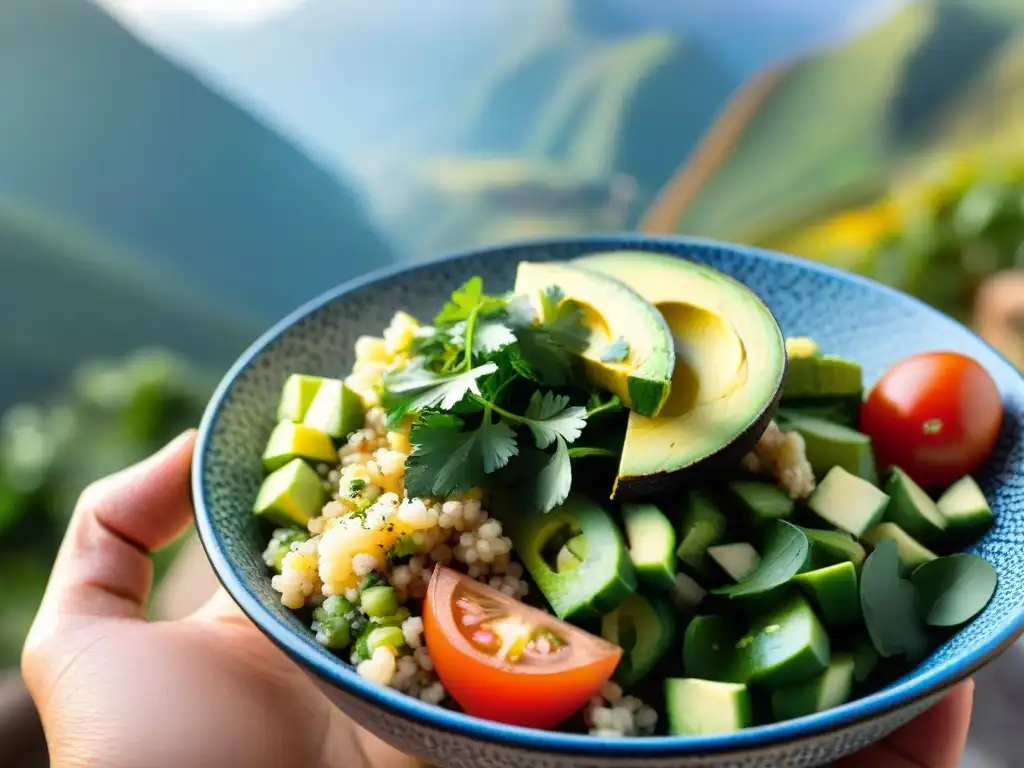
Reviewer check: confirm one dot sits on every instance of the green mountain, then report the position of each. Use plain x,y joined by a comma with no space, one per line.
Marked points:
66,297
850,115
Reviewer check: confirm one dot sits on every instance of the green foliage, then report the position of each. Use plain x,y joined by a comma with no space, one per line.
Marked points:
111,415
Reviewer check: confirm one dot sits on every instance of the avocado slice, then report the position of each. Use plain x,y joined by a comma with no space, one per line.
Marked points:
786,645
761,502
737,560
701,525
290,440
834,591
829,689
291,495
704,707
848,502
604,578
297,393
831,547
913,510
912,552
831,445
966,511
614,314
335,410
652,545
644,626
822,376
730,365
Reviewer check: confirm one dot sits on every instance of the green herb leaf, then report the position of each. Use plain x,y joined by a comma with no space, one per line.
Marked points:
549,416
446,459
953,590
888,605
785,553
519,312
463,301
549,487
617,351
597,406
415,388
489,335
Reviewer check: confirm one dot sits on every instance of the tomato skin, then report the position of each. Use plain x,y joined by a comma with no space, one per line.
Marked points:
530,696
936,416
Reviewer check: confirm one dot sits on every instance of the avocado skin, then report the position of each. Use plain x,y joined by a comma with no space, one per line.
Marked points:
647,396
645,487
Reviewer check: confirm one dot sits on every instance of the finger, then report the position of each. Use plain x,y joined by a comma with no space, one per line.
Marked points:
936,739
103,567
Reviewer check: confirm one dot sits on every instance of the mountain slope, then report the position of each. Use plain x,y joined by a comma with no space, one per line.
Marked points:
106,132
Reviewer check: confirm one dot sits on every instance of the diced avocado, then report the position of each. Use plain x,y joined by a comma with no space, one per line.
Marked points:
704,707
912,552
831,445
611,311
822,376
604,578
652,545
833,591
737,560
838,410
686,593
291,495
644,626
296,395
702,525
786,645
290,441
848,502
831,547
762,502
829,689
966,511
913,510
336,410
802,346
730,365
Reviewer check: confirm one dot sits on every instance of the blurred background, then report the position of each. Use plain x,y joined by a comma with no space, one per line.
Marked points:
176,174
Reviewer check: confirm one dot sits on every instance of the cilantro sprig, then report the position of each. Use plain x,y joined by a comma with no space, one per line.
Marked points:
496,397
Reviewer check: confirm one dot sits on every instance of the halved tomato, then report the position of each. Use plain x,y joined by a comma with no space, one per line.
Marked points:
506,661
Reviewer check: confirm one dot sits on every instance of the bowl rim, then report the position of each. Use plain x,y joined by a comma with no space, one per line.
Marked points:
337,673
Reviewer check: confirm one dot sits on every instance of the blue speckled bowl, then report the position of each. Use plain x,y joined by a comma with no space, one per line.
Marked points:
847,315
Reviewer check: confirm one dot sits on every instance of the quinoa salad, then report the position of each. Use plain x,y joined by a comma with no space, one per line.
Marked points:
606,516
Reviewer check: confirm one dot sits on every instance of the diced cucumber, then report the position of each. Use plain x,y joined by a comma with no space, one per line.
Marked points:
709,648
702,525
572,554
652,545
848,502
379,601
737,560
291,495
297,441
686,593
865,658
831,547
703,707
296,395
912,552
834,591
843,410
336,410
966,511
833,445
822,376
391,637
913,510
762,502
829,689
644,626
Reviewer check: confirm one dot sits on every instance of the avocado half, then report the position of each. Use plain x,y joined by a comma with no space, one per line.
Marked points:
641,375
730,366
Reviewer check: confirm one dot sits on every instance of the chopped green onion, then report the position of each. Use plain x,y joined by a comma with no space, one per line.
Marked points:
391,637
379,601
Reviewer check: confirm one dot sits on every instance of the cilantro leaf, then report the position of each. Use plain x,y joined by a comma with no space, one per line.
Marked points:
549,417
463,301
446,459
519,312
547,351
415,388
564,321
490,335
596,406
617,351
550,486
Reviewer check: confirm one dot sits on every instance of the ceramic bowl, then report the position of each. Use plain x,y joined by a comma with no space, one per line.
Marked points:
847,315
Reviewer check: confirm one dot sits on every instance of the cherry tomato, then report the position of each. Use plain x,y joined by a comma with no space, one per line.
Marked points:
935,415
506,661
